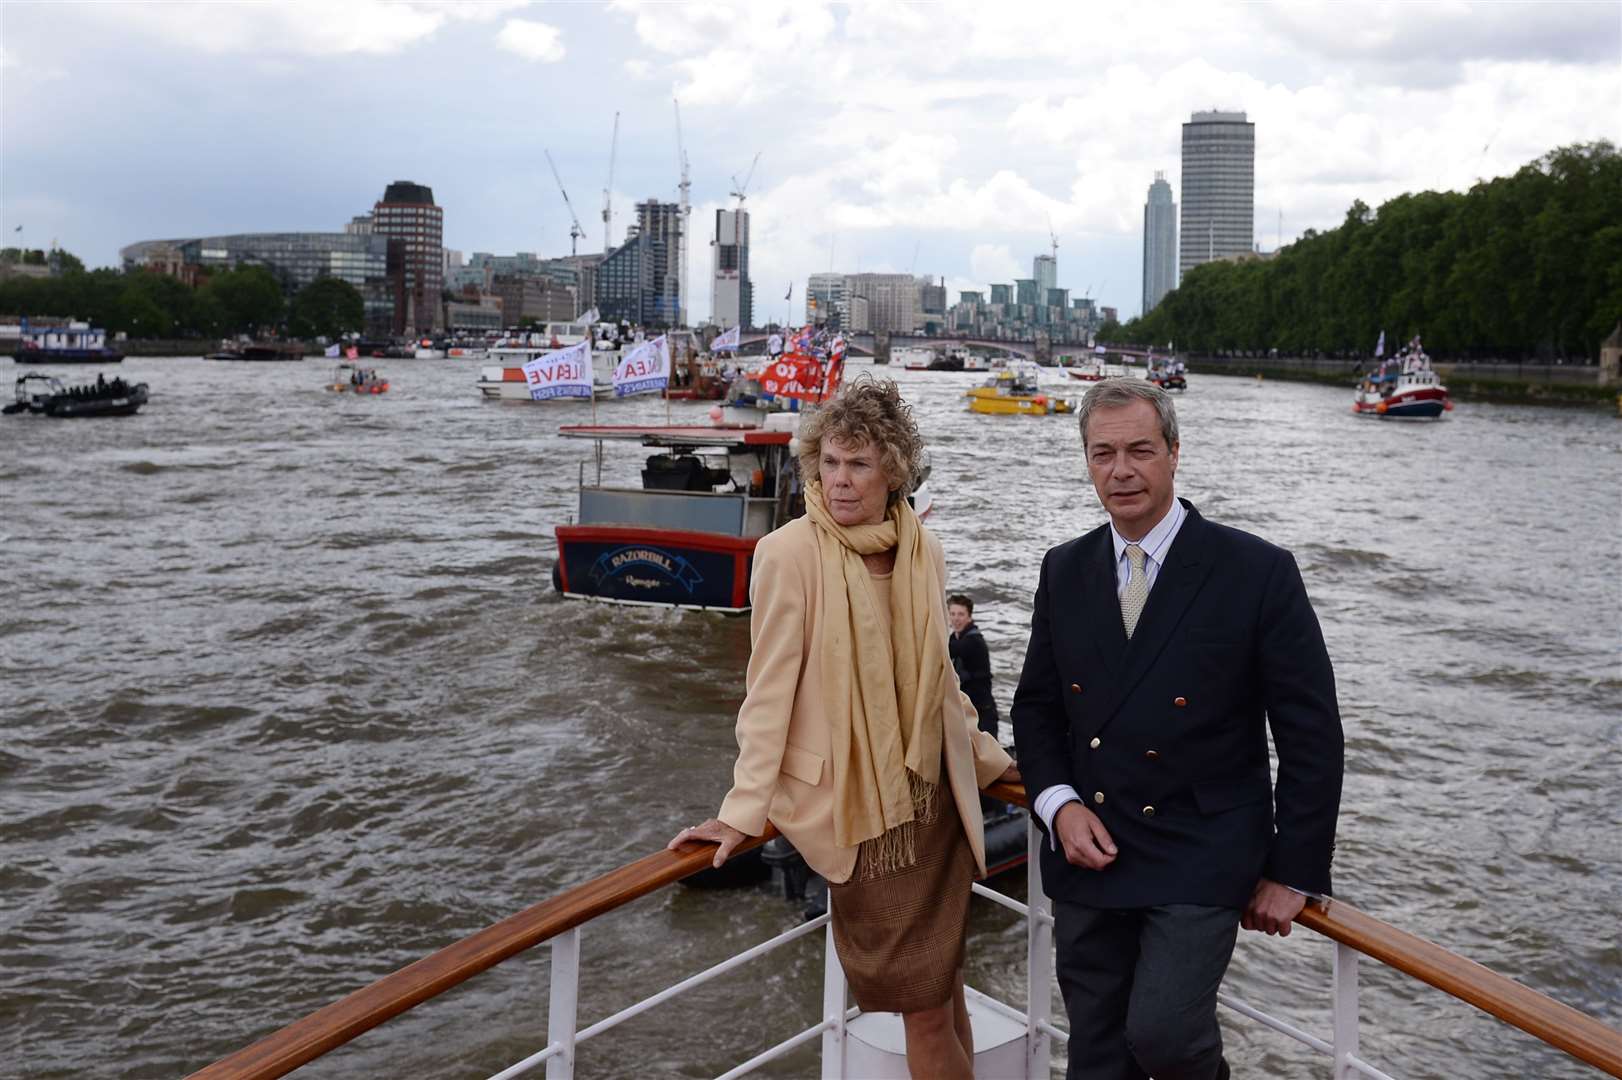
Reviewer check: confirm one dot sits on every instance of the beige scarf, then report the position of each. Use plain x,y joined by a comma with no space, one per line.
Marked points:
884,697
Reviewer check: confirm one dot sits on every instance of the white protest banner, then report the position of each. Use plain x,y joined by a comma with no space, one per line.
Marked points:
728,340
560,373
643,368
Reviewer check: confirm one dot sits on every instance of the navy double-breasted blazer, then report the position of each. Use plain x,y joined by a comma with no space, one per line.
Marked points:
1164,736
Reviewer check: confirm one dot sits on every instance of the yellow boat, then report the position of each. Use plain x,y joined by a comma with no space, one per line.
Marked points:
1015,392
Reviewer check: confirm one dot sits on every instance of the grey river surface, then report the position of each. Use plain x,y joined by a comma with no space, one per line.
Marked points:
288,703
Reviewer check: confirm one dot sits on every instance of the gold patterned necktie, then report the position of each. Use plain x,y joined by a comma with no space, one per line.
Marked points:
1136,593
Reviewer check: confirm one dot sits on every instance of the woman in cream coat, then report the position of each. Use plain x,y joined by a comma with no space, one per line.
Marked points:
854,738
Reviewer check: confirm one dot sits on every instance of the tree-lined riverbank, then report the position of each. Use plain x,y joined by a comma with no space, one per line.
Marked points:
1527,384
1523,267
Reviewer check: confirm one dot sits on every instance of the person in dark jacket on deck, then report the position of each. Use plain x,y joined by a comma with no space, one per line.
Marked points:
972,660
1164,650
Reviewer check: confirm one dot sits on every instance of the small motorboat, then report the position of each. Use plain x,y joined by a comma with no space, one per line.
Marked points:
1404,387
354,379
1169,374
1015,391
48,396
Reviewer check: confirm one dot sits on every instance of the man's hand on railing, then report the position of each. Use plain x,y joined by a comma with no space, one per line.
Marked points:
1009,775
1272,907
712,831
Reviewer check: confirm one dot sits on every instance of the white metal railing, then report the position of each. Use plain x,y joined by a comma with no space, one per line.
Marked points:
1040,1031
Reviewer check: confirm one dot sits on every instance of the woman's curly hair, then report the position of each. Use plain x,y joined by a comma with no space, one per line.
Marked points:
872,411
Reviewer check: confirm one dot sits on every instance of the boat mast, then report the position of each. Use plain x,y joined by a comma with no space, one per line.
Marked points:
681,224
608,190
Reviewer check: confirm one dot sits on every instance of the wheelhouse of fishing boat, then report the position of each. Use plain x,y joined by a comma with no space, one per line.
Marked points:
686,536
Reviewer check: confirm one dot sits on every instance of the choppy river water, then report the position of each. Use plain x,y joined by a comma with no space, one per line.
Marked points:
288,703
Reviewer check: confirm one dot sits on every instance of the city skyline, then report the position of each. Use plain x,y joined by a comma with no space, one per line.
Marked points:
930,160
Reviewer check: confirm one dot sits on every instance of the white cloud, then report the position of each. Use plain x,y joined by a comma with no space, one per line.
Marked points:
299,27
960,130
994,262
531,40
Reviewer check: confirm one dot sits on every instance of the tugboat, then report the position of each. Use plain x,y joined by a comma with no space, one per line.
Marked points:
1015,391
46,394
75,343
1403,387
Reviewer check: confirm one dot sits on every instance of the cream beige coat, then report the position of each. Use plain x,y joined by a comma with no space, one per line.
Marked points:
783,774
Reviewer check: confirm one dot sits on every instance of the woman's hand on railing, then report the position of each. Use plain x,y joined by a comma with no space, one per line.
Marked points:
713,831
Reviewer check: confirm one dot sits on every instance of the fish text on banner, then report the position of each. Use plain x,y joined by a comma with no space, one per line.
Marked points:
728,340
561,373
643,369
793,375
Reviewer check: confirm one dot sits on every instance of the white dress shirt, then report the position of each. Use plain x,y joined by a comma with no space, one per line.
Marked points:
1155,544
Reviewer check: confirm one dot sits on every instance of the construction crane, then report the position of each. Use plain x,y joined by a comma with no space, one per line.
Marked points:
575,231
608,189
686,209
741,191
1054,240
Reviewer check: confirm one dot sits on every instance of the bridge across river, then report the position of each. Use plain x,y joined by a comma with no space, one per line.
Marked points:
881,345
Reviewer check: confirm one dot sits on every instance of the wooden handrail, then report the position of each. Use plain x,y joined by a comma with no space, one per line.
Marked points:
1559,1025
333,1025
1537,1014
330,1027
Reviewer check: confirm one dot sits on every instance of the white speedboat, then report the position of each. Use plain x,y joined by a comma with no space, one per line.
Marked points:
503,377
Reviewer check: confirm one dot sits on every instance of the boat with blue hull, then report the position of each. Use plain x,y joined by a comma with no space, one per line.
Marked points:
76,343
686,537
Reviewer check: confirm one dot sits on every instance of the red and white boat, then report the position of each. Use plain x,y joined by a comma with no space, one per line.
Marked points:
503,379
1405,387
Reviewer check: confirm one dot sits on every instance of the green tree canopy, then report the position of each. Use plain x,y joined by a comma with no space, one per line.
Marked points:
1517,267
250,297
327,306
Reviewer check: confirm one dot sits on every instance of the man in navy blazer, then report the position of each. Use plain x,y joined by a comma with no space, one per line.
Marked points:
1163,647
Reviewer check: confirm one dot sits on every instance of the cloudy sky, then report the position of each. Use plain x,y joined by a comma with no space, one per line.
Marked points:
938,139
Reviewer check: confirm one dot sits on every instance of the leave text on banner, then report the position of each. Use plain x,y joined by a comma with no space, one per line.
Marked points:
561,373
644,368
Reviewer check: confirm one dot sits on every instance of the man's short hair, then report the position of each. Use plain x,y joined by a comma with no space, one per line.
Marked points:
1115,393
961,601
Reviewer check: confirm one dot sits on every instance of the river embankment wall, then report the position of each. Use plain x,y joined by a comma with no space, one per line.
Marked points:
188,346
1562,384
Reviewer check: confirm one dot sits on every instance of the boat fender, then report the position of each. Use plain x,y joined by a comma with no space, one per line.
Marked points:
1379,406
757,482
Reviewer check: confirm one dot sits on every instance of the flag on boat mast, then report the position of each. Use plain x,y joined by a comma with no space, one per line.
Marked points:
643,369
334,351
1379,346
589,317
728,340
560,373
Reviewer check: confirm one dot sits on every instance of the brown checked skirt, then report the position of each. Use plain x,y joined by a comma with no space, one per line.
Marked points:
900,935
